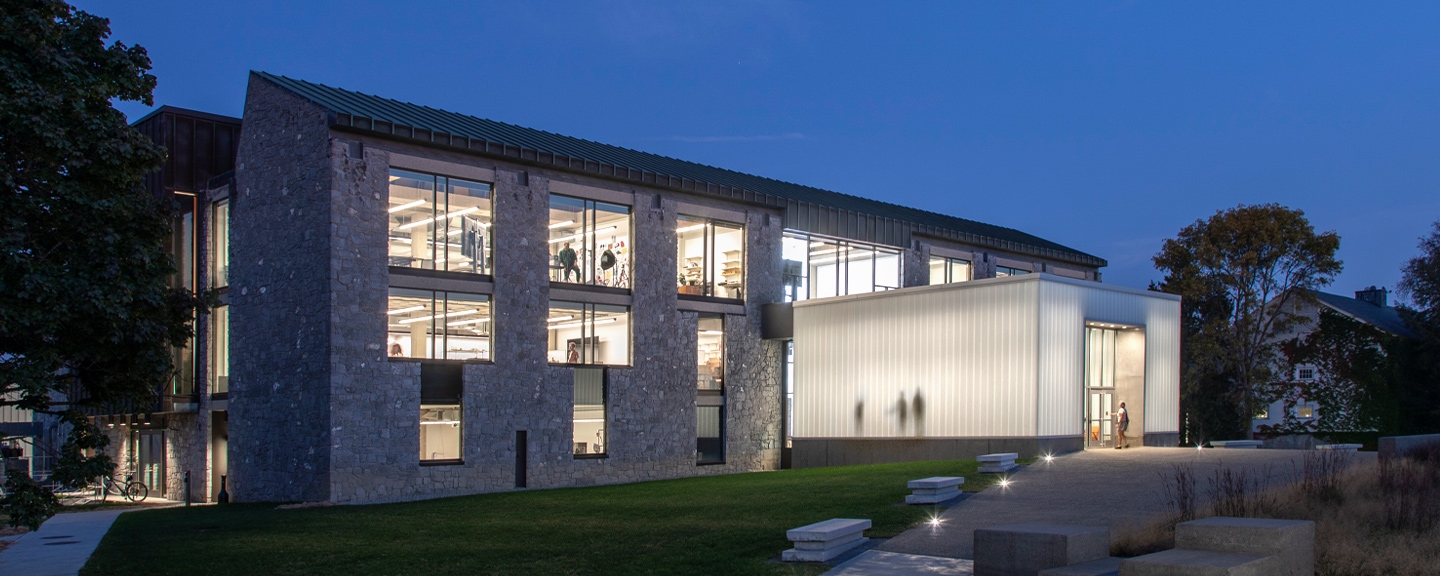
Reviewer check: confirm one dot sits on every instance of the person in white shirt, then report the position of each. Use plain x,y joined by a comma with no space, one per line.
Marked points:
1122,424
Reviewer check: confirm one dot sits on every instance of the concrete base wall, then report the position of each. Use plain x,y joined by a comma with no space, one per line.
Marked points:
1162,439
817,452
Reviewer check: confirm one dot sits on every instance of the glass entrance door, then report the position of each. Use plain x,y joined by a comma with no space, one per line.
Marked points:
151,451
1099,428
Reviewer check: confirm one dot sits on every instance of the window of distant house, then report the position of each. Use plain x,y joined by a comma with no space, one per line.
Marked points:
711,259
589,416
1003,271
589,242
440,223
1305,412
438,325
220,243
220,350
948,270
821,268
1305,374
581,333
710,393
1263,414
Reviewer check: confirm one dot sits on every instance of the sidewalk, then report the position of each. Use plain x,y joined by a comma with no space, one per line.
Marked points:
61,546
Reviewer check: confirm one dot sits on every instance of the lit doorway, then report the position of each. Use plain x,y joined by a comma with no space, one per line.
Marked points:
1099,427
1114,375
151,451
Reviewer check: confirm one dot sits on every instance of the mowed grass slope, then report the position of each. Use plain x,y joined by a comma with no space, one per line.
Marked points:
717,525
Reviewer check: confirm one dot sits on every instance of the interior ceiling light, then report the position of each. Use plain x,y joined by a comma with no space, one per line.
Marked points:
576,236
406,205
559,318
577,324
689,228
464,322
712,333
444,217
422,318
406,309
561,224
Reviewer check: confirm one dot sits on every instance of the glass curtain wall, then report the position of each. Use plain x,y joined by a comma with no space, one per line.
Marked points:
220,350
711,258
220,243
581,333
948,270
589,242
438,325
837,267
710,393
440,223
589,419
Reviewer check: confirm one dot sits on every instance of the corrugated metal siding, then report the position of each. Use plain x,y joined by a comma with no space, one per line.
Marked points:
970,355
989,358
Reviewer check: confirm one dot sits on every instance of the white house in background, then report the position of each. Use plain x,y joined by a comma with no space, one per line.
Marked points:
1369,306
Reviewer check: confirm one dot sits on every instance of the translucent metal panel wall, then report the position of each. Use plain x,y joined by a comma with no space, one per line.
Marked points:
1065,306
932,362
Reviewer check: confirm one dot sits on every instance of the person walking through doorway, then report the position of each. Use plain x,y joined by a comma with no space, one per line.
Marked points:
567,263
1121,426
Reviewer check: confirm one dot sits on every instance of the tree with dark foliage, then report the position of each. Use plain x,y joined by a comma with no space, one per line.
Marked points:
1240,273
1355,375
87,316
1420,283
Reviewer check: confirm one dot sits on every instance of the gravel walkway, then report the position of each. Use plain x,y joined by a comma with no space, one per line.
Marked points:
1111,488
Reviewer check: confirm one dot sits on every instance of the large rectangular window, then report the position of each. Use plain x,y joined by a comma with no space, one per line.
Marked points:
183,252
439,223
220,245
220,350
711,259
589,242
441,415
589,419
439,325
710,391
948,270
837,267
1003,271
589,334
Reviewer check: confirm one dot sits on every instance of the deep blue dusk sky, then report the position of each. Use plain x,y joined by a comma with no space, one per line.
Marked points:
1103,126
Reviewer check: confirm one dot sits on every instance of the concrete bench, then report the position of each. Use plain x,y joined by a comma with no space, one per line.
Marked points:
997,463
1199,563
1108,566
933,490
1340,447
1234,444
1026,549
823,541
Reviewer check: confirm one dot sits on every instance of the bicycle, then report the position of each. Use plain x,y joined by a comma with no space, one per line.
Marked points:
129,490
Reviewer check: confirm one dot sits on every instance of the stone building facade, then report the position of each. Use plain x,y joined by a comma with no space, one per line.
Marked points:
319,409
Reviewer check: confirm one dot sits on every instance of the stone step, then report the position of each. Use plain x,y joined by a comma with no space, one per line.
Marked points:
1182,562
823,541
1292,541
1016,549
1240,444
1108,566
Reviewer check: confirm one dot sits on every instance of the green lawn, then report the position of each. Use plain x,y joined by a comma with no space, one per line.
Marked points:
717,525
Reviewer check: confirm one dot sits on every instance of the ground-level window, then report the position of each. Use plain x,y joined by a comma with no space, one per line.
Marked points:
582,333
1003,271
711,259
439,223
220,350
438,325
838,267
439,432
589,420
710,390
589,242
948,270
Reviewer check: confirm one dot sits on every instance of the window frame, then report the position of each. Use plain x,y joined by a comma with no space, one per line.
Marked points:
604,411
587,323
707,283
439,311
589,267
442,185
808,281
220,243
947,264
711,397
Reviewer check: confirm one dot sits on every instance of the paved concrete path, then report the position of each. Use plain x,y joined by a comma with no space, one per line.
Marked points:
878,563
60,547
1111,488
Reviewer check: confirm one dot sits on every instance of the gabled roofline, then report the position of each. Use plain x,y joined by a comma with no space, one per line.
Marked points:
801,214
168,109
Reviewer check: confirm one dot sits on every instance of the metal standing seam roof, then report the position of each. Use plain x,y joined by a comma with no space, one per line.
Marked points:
393,118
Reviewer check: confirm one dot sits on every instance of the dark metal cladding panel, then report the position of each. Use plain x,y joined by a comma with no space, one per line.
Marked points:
183,155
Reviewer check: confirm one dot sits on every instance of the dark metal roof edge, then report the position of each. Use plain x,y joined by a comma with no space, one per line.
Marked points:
168,109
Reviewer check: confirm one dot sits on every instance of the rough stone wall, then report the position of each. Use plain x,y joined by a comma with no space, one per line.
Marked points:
754,387
185,449
280,299
916,265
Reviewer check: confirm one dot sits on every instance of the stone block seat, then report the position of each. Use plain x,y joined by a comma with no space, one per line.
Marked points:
1340,447
1026,549
998,463
823,541
1108,566
1236,444
1225,546
934,490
